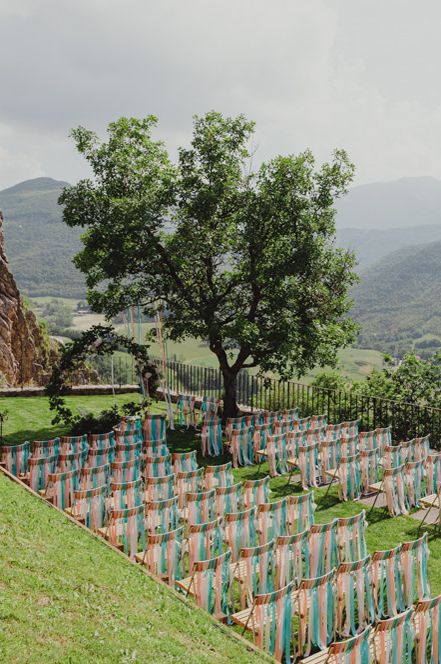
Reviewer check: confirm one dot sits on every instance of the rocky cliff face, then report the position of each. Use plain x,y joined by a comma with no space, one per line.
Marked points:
25,353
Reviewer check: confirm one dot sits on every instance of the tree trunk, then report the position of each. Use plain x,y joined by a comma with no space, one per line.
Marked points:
230,403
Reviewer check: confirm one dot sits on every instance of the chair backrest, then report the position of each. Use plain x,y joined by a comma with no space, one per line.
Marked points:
383,436
128,451
355,649
201,506
351,537
333,432
39,470
183,461
330,453
367,440
240,530
350,428
421,448
395,489
272,520
44,448
228,498
277,455
210,406
318,421
92,506
204,541
102,440
369,469
162,515
234,423
61,486
126,494
221,475
211,437
349,445
125,471
300,511
157,465
127,527
212,584
255,492
163,555
190,481
355,604
316,611
159,488
241,445
387,583
70,461
272,616
433,473
393,639
323,549
15,458
314,435
154,428
74,444
293,440
393,455
129,437
291,414
130,423
260,436
92,477
414,558
255,571
414,476
309,464
292,558
99,457
349,485
427,621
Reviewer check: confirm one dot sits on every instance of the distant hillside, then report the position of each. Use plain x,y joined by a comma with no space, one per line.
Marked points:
373,244
39,245
404,203
398,301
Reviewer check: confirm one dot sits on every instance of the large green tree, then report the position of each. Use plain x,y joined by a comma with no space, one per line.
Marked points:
243,259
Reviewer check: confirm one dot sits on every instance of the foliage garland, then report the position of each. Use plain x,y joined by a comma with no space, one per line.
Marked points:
98,340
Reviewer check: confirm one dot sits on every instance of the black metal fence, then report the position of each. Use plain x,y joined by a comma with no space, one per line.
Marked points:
407,419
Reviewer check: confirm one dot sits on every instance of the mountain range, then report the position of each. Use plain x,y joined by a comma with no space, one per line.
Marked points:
394,229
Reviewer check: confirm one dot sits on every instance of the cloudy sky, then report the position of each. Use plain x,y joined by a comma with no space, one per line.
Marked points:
358,74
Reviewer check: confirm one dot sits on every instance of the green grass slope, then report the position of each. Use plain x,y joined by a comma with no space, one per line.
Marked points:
40,247
66,597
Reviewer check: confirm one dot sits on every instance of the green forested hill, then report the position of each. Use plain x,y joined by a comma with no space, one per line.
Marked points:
39,245
398,301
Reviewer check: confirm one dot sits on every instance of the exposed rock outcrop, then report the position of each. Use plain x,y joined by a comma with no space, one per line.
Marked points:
25,351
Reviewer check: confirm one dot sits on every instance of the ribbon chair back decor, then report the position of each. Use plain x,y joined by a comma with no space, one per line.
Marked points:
350,428
333,432
221,475
15,458
356,650
302,424
128,451
99,441
323,550
157,465
130,423
351,537
99,456
154,429
94,476
74,444
318,422
163,555
367,440
201,507
300,512
309,465
349,485
204,541
260,437
421,448
126,494
211,437
184,461
255,492
293,440
127,437
126,471
314,435
369,469
91,506
291,414
39,470
70,461
210,407
395,489
255,572
330,453
240,531
45,448
271,622
162,515
190,481
317,614
387,583
126,529
228,498
393,456
234,423
427,622
241,446
186,410
349,445
355,604
212,580
383,437
393,639
414,558
277,455
61,486
415,485
433,473
292,559
159,488
272,520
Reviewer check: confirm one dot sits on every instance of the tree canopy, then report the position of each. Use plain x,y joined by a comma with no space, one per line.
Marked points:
242,258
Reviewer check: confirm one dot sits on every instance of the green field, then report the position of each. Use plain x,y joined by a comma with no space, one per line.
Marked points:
67,598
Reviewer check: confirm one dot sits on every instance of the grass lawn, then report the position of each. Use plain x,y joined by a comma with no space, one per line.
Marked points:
66,597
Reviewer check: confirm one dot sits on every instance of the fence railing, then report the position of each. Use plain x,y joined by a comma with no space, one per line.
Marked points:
407,419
